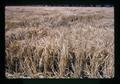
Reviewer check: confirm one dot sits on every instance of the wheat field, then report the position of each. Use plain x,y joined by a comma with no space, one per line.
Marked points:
59,42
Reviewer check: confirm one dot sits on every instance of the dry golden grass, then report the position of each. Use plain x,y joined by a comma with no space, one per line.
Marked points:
59,42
